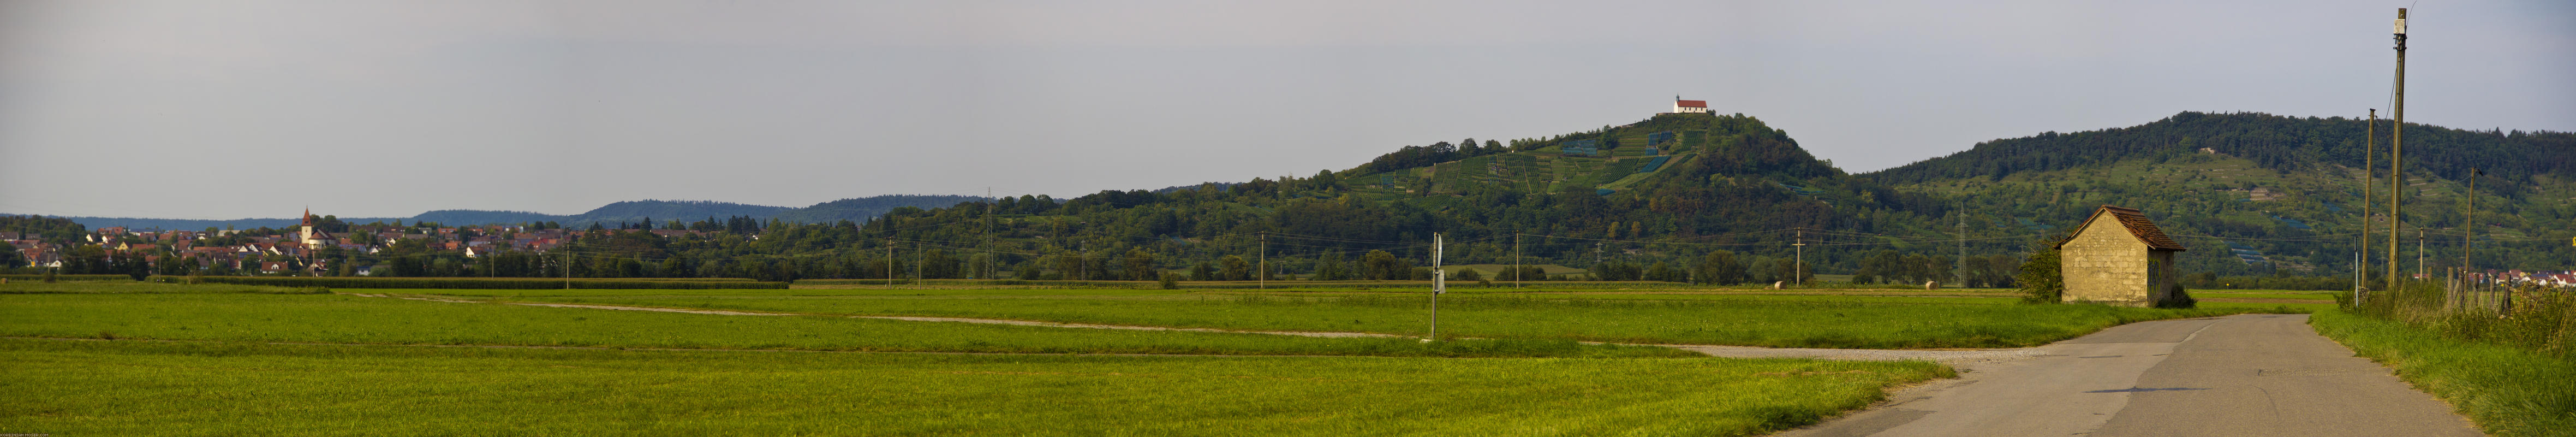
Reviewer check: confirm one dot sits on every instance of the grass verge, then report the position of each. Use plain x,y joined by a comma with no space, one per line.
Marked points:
2508,391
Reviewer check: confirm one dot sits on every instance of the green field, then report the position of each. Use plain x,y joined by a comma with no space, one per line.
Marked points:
168,359
135,358
130,388
370,320
1834,321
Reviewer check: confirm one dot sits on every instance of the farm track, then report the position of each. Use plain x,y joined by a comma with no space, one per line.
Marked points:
1952,357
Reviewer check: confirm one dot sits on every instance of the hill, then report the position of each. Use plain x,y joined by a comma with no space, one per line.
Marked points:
2255,193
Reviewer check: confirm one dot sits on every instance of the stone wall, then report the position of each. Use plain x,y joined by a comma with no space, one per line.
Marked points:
2104,263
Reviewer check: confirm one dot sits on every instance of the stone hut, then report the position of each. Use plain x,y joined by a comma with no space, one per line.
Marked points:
2119,257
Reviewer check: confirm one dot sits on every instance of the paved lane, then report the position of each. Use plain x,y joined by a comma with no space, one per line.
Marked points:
2244,375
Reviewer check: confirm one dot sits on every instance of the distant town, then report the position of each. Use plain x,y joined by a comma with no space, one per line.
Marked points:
319,246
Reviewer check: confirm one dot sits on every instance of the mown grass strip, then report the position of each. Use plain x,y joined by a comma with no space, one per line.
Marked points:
133,388
2508,391
371,320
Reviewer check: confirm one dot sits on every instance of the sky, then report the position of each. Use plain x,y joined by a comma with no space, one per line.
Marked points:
359,108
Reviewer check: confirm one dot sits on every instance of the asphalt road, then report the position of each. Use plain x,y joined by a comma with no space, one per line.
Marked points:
2244,375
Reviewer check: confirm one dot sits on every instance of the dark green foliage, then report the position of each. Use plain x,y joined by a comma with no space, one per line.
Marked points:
2041,280
2275,142
2181,299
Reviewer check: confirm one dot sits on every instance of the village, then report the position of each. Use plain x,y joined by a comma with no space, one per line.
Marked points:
314,247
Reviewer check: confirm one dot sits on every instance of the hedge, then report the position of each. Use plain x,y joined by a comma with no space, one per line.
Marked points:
477,283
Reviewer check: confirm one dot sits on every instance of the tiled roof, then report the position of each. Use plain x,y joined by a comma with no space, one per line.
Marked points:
1691,103
2137,224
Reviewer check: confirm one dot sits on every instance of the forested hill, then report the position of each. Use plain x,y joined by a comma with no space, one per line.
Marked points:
2259,193
2278,143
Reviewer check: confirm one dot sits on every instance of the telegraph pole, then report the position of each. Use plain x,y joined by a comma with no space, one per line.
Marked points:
889,259
2396,155
1516,260
1798,272
1960,273
1439,284
2369,175
1263,273
2469,227
992,264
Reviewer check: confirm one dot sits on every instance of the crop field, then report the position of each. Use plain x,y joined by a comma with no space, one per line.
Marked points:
140,358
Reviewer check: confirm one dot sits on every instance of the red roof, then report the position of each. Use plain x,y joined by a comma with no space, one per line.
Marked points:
1691,103
2137,224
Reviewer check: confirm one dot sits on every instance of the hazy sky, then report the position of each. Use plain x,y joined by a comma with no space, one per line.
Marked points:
230,109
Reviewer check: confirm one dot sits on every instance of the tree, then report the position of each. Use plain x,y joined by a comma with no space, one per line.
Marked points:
2040,278
1233,268
1468,274
1204,271
1665,272
1721,268
1139,264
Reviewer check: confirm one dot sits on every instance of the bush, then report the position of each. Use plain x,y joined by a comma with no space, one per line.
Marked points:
2041,282
1171,281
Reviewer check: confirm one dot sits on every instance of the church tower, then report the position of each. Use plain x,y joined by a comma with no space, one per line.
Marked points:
307,237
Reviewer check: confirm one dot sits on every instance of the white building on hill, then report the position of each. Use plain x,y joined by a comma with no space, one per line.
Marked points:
1689,106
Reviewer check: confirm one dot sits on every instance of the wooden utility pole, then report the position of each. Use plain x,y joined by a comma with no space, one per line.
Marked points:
1439,284
1263,272
2369,176
2397,154
2469,227
1798,272
1516,260
889,259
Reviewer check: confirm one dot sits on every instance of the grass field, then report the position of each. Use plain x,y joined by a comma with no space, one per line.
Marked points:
370,320
1834,321
239,360
137,388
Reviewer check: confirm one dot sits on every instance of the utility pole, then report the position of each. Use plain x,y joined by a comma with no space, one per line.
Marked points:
1439,284
1798,272
918,262
2469,228
1516,260
1263,280
2369,176
889,260
1960,273
992,264
2396,156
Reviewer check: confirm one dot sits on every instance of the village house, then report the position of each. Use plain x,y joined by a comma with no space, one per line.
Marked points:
2119,257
